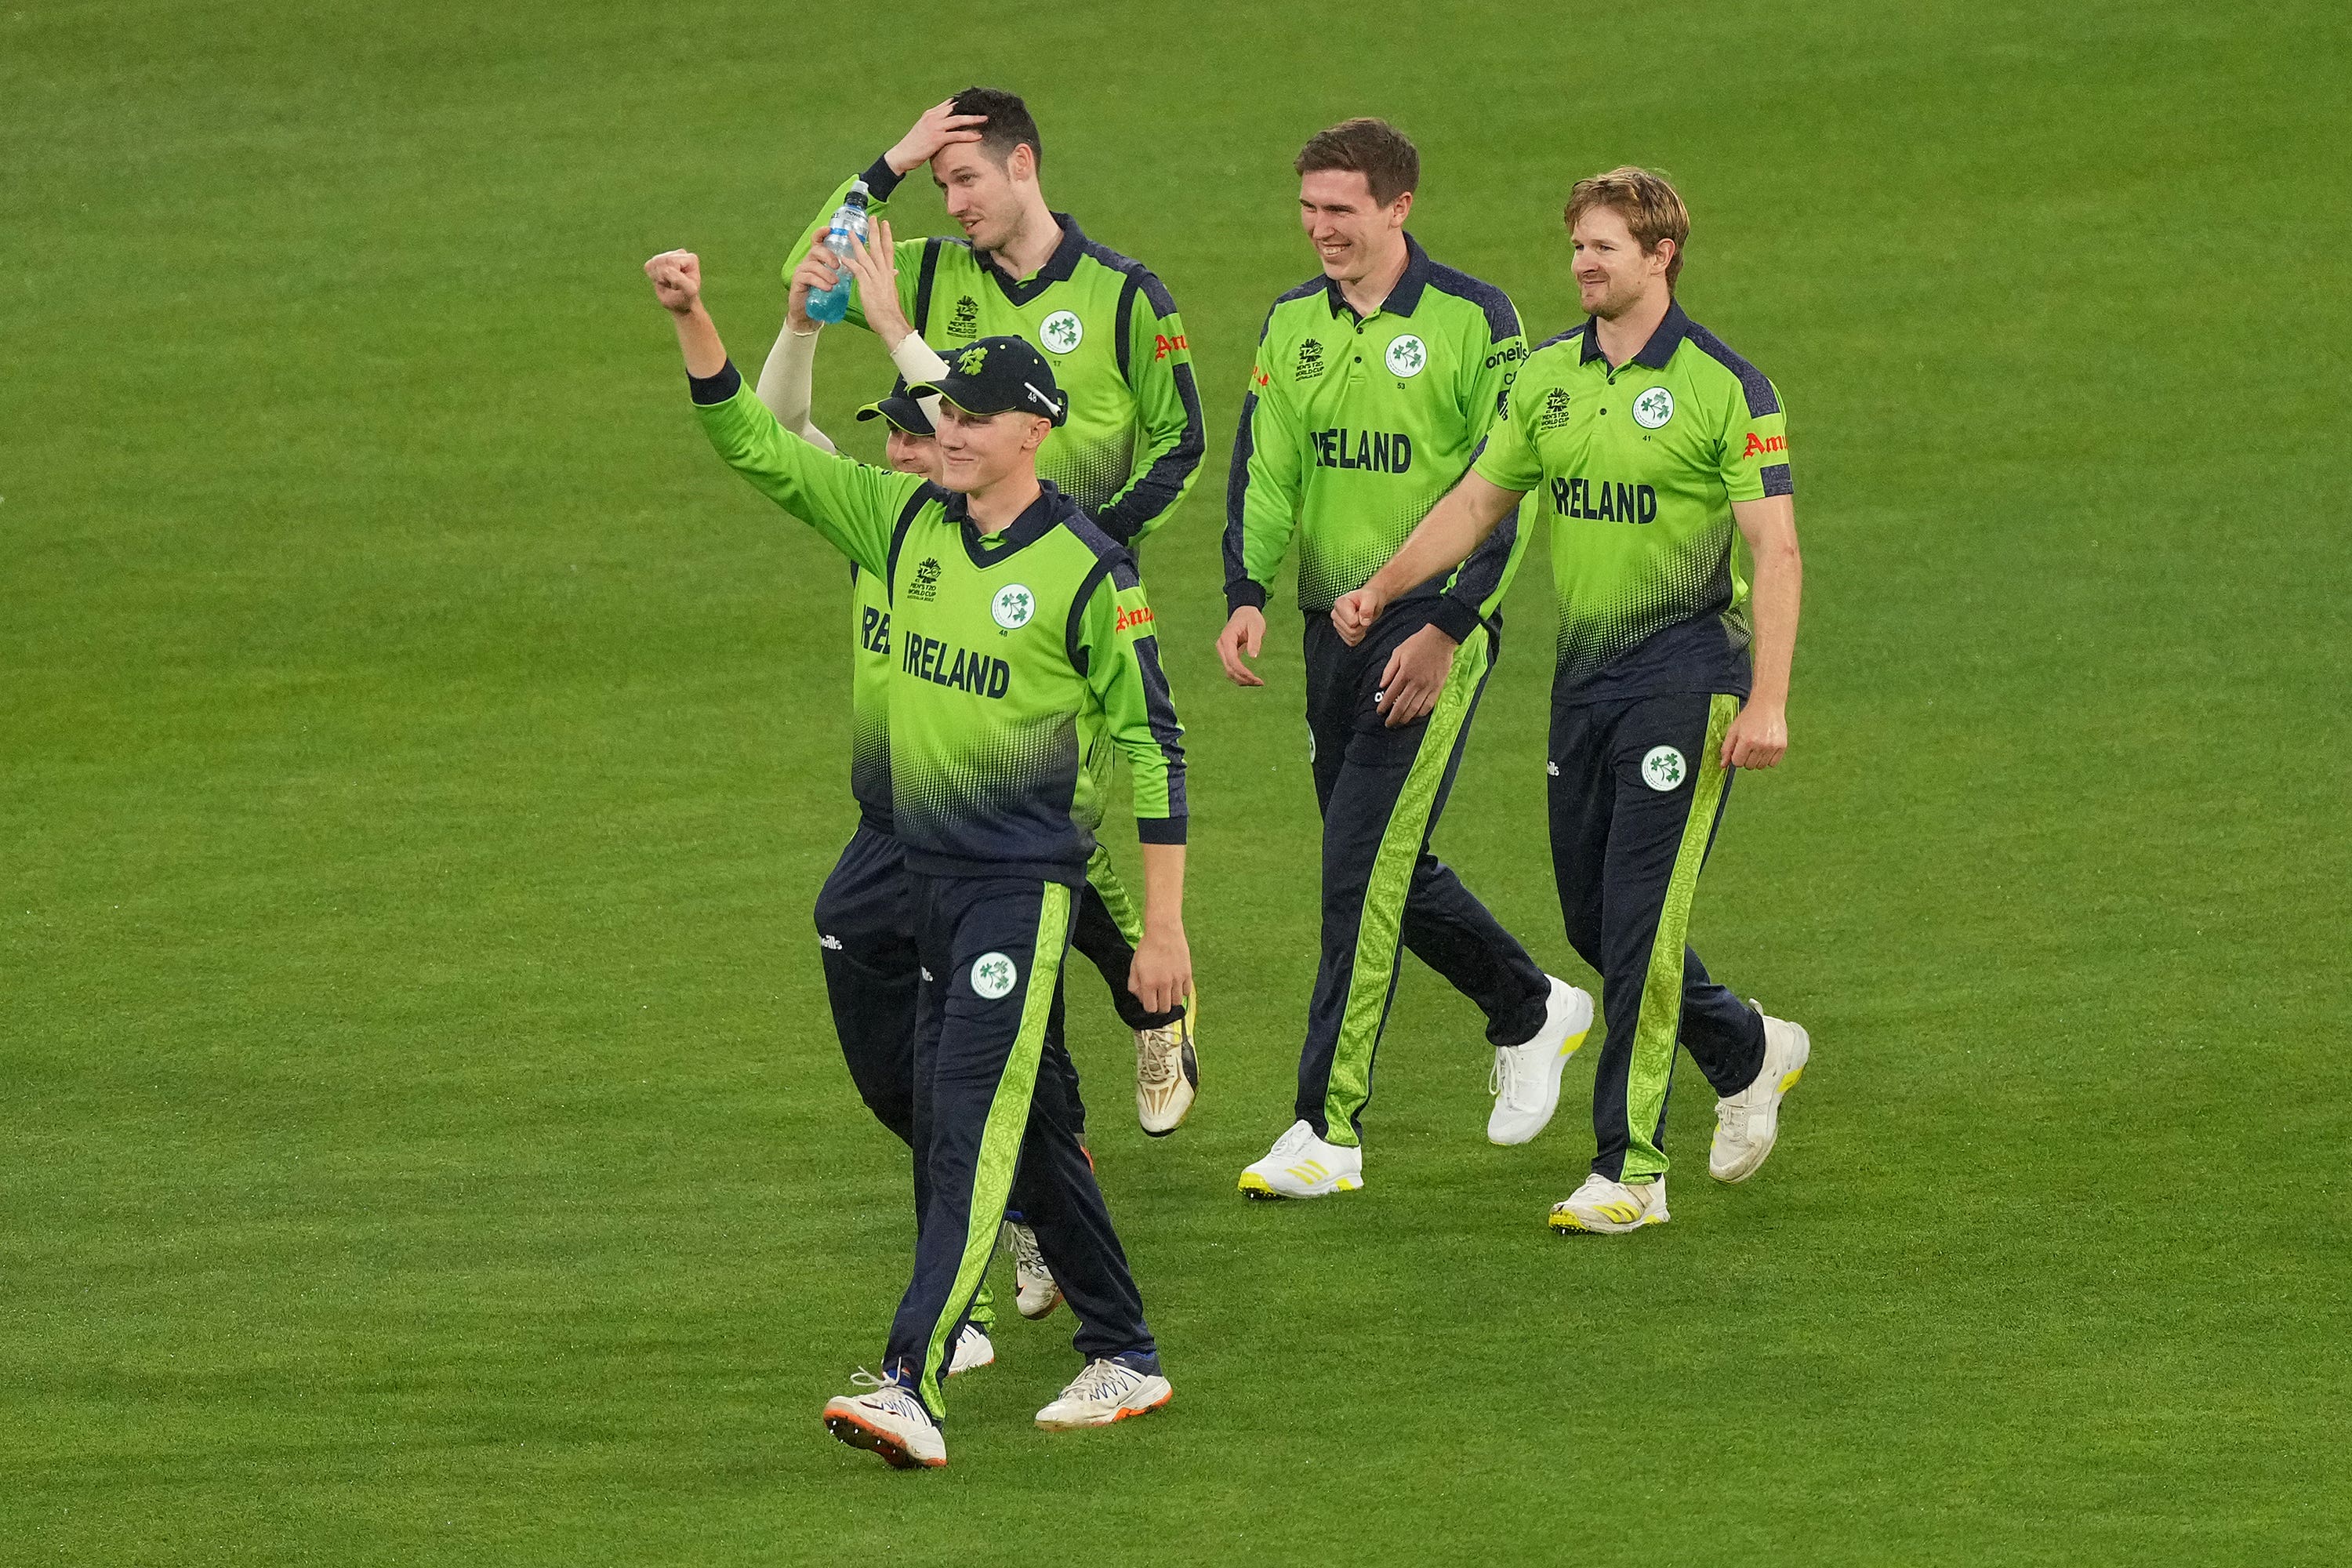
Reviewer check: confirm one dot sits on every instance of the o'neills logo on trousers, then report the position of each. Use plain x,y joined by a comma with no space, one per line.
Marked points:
927,659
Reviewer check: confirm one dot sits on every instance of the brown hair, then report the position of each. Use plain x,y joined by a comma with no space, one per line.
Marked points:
1650,206
1010,123
1383,155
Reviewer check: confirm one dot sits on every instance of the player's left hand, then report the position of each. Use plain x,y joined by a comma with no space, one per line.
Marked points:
873,265
1416,673
678,279
1352,614
1758,738
1161,974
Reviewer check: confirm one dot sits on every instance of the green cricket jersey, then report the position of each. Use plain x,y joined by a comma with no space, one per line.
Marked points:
1354,425
1134,438
1637,467
869,695
1004,649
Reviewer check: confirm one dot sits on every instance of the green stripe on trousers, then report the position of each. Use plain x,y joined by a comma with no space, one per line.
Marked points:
1660,1022
999,1138
1103,876
1380,927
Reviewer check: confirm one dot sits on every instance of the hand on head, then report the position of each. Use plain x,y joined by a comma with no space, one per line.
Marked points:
941,126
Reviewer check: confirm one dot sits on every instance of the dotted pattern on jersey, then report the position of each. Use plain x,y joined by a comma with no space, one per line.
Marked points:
1335,562
1005,793
1090,472
1684,584
869,758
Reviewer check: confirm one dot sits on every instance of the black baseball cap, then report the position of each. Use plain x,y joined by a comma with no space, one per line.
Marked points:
901,409
997,375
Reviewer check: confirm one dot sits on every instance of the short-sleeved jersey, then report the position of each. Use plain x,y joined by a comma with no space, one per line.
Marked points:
1004,649
1352,429
1132,443
1637,467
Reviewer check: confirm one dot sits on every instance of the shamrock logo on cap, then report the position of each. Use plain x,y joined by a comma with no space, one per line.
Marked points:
971,359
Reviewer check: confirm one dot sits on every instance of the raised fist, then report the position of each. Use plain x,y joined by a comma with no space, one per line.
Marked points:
678,279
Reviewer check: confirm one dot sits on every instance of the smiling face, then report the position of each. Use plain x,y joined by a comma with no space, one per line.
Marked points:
1354,236
1613,273
911,454
988,200
977,450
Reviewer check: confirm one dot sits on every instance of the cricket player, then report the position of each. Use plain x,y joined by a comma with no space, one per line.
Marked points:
1126,454
1374,383
1653,447
1012,618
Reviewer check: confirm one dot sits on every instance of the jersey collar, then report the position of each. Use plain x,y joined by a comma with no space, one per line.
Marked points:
1057,269
1656,352
1404,297
1035,521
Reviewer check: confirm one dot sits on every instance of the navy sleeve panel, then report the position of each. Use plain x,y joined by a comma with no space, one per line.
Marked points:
1575,331
1163,481
710,389
1502,317
1241,588
1761,398
1161,710
1777,481
1107,553
1480,576
925,278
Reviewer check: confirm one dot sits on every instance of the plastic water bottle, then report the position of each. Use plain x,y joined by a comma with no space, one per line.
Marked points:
847,232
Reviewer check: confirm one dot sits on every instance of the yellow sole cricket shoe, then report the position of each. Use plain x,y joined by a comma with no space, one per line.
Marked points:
1603,1207
1301,1165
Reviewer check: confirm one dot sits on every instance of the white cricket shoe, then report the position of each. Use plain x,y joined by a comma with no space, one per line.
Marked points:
1104,1393
1166,1073
1603,1207
1525,1080
889,1420
1301,1165
1747,1123
973,1350
1033,1291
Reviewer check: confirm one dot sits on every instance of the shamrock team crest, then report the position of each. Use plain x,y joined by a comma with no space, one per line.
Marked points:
993,975
1012,606
1653,408
1061,332
1663,768
1407,355
971,360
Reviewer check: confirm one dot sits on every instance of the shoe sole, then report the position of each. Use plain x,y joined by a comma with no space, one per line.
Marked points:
1253,1185
875,1441
1772,1133
1568,1048
1569,1224
1121,1414
1045,1311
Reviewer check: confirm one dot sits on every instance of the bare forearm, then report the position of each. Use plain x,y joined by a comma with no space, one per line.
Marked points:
1465,516
1771,529
697,341
1163,887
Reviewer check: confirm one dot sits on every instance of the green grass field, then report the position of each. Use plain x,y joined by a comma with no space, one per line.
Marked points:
421,1137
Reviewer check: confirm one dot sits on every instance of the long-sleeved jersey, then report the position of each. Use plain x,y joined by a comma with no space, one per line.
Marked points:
1354,426
1132,443
1003,649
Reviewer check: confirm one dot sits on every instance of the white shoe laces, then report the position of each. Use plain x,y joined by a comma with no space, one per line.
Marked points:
1155,1053
1102,1382
884,1389
1027,1258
